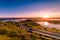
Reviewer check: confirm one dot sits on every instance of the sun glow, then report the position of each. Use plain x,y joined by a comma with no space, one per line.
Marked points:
45,16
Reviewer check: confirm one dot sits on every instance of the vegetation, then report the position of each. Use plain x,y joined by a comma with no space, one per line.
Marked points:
54,22
12,31
32,24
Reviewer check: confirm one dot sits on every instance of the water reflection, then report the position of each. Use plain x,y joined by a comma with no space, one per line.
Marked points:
50,25
46,23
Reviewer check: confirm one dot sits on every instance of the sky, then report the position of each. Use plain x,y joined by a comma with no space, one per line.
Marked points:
29,8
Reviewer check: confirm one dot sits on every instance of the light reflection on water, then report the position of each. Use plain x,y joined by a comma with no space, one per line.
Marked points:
46,23
50,25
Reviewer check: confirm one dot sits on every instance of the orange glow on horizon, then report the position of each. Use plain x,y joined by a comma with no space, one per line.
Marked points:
45,16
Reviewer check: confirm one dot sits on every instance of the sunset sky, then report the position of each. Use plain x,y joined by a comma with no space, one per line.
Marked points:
29,8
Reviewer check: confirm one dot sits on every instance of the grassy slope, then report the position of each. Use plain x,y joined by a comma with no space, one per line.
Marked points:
11,31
